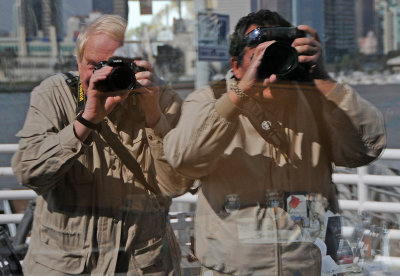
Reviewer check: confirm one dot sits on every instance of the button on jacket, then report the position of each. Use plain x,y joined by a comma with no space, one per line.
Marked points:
90,207
217,144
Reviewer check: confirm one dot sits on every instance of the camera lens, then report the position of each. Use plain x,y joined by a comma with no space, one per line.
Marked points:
121,78
279,59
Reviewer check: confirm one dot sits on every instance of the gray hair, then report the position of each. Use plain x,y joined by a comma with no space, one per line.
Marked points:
111,25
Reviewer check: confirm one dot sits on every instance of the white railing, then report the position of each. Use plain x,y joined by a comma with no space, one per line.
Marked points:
362,179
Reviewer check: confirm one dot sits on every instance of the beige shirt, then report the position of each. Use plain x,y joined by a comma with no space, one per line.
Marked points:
89,203
217,144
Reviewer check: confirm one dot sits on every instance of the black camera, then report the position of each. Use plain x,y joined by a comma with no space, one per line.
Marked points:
122,76
280,58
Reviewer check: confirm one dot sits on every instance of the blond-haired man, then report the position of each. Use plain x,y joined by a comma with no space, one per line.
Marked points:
94,214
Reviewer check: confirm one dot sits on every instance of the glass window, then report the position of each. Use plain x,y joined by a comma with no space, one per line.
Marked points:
189,44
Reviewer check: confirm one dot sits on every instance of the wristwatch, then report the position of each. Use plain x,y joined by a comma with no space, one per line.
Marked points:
87,123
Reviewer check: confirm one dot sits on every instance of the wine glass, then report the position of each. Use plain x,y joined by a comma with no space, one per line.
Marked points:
317,213
232,203
358,239
273,199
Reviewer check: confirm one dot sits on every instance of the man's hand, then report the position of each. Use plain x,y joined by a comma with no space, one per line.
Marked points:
100,104
310,51
249,83
149,92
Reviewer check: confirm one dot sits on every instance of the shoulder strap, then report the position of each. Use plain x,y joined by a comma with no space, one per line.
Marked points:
71,80
111,138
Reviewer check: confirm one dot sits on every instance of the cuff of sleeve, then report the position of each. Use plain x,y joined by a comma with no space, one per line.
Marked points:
69,141
226,108
337,94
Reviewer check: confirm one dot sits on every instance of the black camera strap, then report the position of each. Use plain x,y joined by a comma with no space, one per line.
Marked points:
111,138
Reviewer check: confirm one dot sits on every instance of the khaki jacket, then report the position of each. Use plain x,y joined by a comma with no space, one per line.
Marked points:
217,144
90,208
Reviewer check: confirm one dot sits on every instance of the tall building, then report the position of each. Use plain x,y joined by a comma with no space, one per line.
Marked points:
37,16
339,29
103,6
389,18
52,16
367,27
283,7
119,7
365,16
31,12
311,13
16,18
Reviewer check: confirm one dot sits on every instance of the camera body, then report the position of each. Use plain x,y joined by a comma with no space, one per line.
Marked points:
280,58
122,76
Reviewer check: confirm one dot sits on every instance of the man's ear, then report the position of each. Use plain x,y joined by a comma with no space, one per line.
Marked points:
78,62
237,71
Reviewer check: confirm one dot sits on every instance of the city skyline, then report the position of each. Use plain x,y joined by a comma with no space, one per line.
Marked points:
69,8
344,26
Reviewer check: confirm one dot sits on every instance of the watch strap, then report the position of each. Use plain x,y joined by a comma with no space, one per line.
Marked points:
87,123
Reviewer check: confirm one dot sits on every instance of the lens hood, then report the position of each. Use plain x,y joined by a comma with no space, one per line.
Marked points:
280,59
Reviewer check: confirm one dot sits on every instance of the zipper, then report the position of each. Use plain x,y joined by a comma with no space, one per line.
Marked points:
279,253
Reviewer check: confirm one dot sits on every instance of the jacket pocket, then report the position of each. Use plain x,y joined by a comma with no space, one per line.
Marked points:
300,258
60,250
151,253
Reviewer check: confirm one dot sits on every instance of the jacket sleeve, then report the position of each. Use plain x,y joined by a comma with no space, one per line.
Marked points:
354,126
170,182
47,145
205,129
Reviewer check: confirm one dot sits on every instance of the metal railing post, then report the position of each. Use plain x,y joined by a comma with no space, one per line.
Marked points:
362,189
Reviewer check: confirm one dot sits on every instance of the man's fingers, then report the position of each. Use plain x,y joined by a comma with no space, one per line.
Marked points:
307,49
271,79
312,32
144,75
145,64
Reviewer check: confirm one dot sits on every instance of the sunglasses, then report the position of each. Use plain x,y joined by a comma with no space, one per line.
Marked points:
262,34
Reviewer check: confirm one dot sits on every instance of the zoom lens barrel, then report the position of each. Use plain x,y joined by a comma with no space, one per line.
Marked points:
280,59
